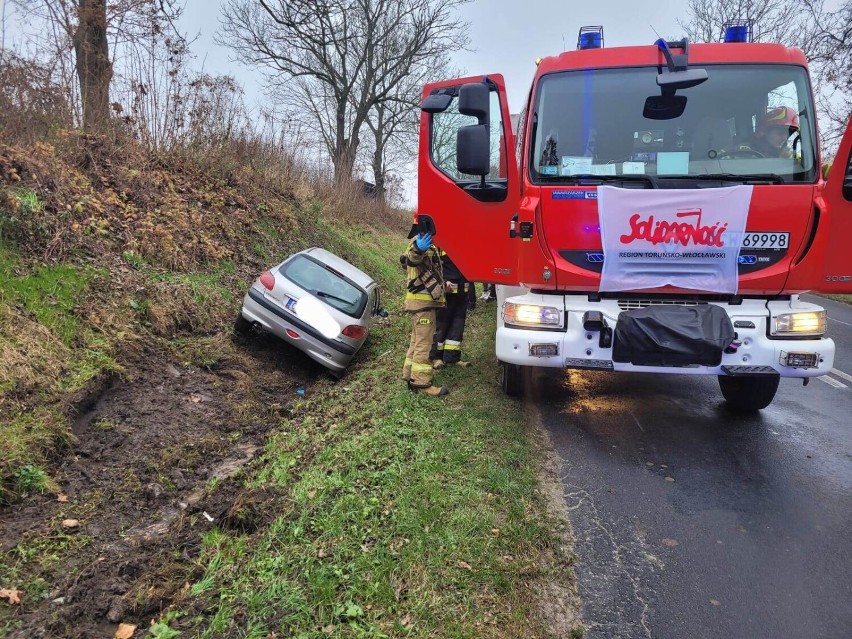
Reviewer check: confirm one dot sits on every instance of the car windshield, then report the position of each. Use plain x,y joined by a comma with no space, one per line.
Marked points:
326,284
593,122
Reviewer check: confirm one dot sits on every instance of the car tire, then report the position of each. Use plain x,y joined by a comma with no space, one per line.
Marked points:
512,379
748,394
337,374
241,324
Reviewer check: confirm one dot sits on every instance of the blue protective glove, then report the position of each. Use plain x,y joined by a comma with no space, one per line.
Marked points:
423,242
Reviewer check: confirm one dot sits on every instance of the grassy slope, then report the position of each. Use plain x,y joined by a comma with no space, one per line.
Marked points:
408,516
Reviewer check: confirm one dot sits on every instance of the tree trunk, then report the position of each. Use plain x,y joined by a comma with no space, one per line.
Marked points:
344,160
379,163
94,69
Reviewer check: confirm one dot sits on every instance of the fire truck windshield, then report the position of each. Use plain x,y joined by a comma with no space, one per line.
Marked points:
745,120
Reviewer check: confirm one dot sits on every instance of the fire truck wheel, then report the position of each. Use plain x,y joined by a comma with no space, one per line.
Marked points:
512,379
748,394
241,324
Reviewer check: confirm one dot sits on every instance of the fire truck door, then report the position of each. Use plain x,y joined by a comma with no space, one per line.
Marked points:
838,233
472,213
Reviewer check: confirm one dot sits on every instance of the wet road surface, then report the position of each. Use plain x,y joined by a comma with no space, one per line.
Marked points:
690,522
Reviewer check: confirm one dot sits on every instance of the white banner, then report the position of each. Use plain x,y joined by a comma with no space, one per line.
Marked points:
688,238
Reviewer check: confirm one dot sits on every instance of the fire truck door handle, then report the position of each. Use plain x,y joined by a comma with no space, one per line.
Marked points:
512,226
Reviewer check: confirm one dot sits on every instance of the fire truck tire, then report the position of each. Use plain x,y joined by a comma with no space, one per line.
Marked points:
512,379
748,394
241,324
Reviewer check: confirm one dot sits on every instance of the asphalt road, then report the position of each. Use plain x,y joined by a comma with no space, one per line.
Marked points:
690,522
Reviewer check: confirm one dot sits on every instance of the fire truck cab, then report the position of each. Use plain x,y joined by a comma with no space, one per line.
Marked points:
639,205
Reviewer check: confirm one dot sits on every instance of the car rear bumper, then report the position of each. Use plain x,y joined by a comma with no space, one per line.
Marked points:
269,315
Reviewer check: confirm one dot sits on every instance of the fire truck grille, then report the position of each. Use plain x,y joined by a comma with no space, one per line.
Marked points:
633,304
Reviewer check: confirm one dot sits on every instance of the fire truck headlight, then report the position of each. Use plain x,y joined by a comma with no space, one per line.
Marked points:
530,315
805,324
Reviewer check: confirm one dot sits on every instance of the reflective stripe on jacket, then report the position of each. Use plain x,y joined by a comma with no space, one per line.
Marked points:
425,285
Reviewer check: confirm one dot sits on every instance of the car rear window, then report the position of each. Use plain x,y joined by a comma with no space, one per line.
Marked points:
326,284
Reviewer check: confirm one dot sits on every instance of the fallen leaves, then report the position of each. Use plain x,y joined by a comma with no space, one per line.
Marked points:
14,596
70,524
125,631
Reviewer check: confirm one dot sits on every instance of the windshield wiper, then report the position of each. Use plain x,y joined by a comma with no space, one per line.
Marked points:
747,178
333,297
591,179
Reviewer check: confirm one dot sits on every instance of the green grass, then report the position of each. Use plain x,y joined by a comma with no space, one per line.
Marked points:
846,299
49,293
206,287
399,514
408,515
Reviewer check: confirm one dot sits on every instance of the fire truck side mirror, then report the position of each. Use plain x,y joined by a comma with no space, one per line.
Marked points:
473,155
475,100
436,102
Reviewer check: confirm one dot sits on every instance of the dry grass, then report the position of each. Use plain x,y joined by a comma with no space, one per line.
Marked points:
29,353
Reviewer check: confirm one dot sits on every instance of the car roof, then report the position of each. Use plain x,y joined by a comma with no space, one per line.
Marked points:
340,265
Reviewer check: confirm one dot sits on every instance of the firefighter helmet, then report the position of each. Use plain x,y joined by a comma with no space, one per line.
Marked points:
779,116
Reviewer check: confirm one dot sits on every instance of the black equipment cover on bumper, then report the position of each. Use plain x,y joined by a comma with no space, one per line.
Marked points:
673,335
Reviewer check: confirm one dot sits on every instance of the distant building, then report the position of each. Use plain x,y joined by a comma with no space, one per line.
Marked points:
367,188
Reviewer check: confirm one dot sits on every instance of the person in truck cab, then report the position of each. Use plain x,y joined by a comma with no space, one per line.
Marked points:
772,132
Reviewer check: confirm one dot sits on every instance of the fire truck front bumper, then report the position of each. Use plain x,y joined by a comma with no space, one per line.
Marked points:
584,336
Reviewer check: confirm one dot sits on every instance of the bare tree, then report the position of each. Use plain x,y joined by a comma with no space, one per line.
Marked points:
825,37
92,32
345,56
829,50
771,21
94,68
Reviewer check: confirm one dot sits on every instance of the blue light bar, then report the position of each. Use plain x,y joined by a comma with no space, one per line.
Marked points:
590,38
737,31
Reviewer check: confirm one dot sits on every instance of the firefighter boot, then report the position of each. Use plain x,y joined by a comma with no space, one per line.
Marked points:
434,391
437,364
464,364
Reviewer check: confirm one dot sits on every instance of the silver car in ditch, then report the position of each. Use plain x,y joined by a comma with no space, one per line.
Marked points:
316,301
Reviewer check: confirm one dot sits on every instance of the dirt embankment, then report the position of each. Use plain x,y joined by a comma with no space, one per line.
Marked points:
155,465
151,434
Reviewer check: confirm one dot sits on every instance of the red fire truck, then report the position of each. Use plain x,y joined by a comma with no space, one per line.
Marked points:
639,204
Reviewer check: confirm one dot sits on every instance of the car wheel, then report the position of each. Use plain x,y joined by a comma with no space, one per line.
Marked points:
748,394
337,374
512,379
241,324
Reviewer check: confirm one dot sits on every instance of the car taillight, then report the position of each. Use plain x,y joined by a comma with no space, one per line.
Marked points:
355,331
268,280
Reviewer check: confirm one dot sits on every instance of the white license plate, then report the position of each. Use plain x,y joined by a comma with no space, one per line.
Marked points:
766,240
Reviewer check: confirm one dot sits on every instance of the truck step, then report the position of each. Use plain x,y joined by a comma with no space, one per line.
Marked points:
590,364
744,371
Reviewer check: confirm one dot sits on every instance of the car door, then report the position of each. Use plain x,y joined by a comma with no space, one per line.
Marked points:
472,213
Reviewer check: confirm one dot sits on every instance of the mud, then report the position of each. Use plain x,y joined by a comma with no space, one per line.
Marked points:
156,462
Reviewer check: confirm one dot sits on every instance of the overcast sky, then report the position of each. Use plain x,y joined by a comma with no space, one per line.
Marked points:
506,35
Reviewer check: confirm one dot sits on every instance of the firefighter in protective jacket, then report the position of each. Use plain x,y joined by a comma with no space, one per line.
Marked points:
424,296
447,347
